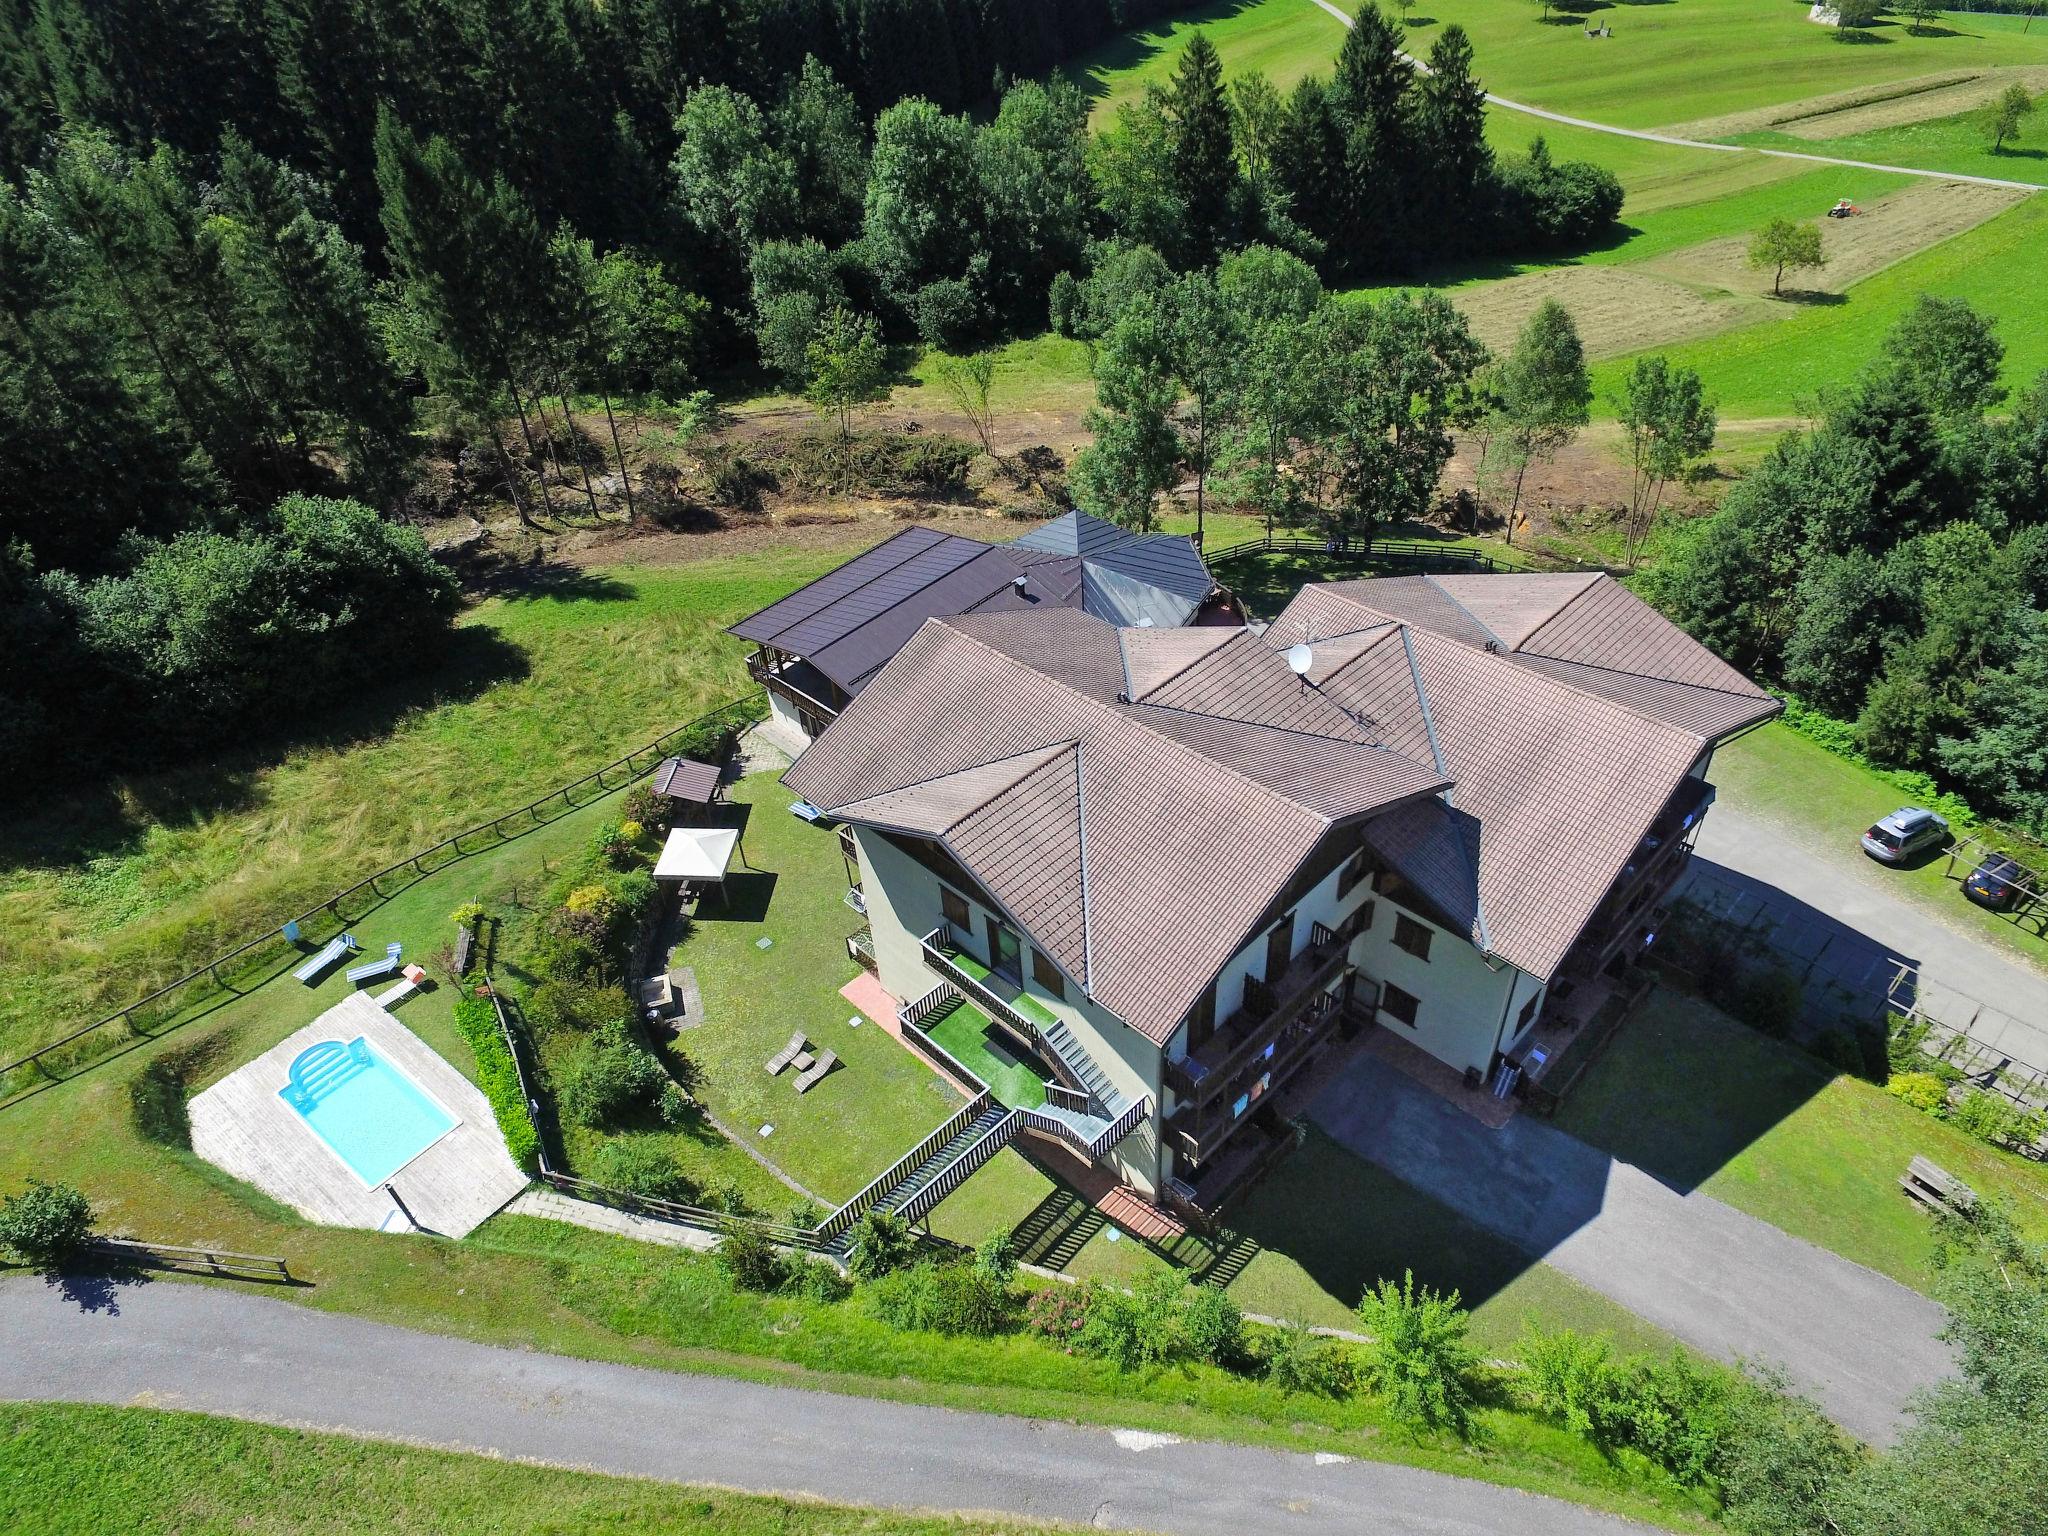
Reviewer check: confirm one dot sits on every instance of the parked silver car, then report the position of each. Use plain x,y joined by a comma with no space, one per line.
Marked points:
1904,834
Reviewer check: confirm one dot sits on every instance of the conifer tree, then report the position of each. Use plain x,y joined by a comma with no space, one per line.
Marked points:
1204,160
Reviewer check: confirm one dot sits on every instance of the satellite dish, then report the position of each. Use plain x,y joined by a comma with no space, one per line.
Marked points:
1300,658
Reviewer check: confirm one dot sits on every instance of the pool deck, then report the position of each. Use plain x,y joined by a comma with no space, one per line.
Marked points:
241,1124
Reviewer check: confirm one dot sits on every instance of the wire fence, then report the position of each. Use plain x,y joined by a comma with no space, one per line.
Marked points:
250,964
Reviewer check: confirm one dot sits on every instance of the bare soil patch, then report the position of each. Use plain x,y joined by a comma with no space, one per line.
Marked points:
1617,309
1887,231
1920,107
1784,114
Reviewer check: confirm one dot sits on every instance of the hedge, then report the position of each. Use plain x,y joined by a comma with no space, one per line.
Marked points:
498,1076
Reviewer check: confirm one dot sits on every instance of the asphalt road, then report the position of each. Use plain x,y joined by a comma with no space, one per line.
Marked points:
1964,980
179,1346
1723,1281
1726,149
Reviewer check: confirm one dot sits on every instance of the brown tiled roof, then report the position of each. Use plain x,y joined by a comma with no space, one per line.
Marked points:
964,736
1557,765
684,778
1136,799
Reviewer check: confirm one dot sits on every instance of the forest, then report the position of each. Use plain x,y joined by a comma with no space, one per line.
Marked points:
256,256
1889,567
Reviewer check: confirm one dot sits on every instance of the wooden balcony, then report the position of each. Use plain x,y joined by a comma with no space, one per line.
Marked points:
1640,889
795,679
1198,1130
1270,1007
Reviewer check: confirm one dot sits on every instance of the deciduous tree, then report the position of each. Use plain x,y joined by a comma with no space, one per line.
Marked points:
2007,113
1783,245
1542,396
1668,423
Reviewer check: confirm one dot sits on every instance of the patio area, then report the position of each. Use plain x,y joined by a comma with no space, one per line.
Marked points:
430,1136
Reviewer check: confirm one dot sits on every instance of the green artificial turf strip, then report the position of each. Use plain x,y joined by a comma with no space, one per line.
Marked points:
967,1033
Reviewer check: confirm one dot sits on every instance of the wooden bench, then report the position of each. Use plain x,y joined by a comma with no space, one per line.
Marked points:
1935,1188
465,941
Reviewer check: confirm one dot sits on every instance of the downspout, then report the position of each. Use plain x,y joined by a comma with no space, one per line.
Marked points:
1501,1033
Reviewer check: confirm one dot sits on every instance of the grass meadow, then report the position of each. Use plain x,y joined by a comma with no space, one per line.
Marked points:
76,1470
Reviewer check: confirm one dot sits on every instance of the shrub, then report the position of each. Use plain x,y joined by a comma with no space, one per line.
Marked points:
728,1198
614,1078
1674,1409
587,914
1214,1328
1059,1314
1296,1360
632,829
1770,1001
675,1107
576,1006
616,848
1145,1327
1573,1379
642,1166
737,480
1421,1360
816,1279
1995,1119
1922,1090
497,1074
996,1256
944,1298
46,1224
749,1260
1777,1459
468,915
947,314
881,1242
643,806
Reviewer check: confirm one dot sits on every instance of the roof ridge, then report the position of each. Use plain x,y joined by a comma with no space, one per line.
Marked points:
1229,638
1047,752
1450,795
1179,747
1647,677
1087,904
1450,597
901,533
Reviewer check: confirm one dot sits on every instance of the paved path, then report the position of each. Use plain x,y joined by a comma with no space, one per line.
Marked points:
1812,889
1725,149
1723,1281
205,1350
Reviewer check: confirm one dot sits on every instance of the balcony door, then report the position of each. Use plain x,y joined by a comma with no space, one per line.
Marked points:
1005,953
1279,949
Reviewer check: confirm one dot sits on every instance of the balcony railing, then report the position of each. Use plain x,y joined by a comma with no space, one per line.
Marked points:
1198,1129
793,677
860,947
1269,1007
983,996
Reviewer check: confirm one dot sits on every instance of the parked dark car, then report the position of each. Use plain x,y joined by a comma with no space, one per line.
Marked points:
1999,883
1904,833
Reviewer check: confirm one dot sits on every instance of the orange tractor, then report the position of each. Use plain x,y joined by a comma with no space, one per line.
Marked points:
1844,210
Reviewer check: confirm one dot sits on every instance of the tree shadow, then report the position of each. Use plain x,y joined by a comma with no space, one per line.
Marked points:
1132,48
1812,298
1859,37
555,581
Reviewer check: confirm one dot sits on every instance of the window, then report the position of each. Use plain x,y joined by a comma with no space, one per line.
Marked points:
1402,1005
1046,974
954,906
1411,936
1528,1013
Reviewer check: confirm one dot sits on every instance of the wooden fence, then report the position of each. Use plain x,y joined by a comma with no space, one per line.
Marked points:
1411,552
215,1261
160,1009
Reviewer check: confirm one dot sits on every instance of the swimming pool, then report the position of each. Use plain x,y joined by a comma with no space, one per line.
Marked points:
368,1112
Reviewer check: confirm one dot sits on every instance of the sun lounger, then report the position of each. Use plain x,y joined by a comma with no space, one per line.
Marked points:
376,970
787,1054
414,976
809,1080
335,948
806,811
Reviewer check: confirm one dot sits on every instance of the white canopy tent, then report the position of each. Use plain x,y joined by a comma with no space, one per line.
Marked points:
697,854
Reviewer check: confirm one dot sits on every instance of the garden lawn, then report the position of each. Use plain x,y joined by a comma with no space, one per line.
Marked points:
1703,1102
1820,798
75,1470
881,1100
1285,39
108,892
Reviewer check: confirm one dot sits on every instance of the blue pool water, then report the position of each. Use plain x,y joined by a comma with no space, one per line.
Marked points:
374,1117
